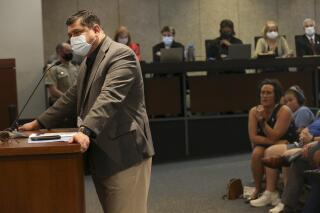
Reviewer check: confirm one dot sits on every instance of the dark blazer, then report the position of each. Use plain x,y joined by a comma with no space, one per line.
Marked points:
156,48
112,106
303,46
215,49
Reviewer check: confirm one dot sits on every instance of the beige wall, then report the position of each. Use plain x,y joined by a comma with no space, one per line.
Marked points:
21,38
194,20
29,39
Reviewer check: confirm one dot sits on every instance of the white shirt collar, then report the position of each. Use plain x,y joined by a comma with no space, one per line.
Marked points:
311,37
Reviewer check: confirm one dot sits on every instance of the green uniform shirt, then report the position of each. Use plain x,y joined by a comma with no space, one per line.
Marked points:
62,76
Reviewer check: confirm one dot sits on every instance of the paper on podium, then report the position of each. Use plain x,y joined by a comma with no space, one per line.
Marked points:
64,137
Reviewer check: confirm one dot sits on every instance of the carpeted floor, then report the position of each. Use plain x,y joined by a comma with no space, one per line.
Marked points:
194,186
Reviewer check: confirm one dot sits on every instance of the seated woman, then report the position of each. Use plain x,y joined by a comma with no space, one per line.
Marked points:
270,123
122,35
302,115
272,43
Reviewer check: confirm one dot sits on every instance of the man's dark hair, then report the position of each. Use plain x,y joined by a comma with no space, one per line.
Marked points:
59,47
168,29
277,88
227,23
88,18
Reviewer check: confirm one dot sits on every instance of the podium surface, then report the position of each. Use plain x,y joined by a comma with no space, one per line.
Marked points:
41,177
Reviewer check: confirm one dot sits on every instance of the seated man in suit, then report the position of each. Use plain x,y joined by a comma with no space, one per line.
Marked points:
219,47
168,41
309,43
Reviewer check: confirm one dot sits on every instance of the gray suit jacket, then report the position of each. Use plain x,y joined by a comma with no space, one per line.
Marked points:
113,106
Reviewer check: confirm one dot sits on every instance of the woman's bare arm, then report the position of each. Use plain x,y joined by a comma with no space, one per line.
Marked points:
252,128
284,118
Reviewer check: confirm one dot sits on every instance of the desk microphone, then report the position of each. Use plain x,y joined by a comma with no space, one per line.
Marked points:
15,124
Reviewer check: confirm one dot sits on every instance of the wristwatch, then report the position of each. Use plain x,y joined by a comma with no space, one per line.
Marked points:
88,132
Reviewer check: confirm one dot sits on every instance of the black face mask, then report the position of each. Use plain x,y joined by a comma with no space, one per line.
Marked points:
67,57
226,35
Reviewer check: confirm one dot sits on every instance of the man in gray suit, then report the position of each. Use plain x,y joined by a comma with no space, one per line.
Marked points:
108,98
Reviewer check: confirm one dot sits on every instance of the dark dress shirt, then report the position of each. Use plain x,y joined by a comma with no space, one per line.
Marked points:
216,49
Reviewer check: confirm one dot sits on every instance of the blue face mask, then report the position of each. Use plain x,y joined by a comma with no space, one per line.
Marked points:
80,45
167,40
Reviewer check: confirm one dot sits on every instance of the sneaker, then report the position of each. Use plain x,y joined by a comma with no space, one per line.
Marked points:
277,209
266,199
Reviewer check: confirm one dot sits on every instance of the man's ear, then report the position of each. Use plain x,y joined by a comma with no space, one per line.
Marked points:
96,28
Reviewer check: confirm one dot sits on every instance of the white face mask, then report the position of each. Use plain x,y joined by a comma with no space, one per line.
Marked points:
167,40
79,45
309,31
272,35
123,40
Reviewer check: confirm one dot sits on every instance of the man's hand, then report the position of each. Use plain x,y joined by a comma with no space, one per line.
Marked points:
306,148
33,125
82,139
305,136
225,42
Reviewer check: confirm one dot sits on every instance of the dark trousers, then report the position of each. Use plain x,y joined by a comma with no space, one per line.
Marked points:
313,204
296,181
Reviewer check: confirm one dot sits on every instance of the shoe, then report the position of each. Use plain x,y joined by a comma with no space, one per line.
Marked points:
248,199
275,162
266,198
253,194
277,209
315,173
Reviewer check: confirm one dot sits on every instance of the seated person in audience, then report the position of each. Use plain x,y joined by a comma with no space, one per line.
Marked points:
300,171
219,47
168,41
270,123
59,78
294,98
302,115
312,152
123,36
272,43
309,43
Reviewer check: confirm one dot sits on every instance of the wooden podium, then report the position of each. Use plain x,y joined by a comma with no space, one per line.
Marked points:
41,178
8,88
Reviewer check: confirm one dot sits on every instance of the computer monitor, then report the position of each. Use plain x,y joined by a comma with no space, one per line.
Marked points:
171,55
239,51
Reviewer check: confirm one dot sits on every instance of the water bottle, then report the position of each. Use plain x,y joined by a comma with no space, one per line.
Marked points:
190,53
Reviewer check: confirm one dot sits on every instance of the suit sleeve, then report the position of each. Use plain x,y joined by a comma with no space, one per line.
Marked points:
62,108
118,82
